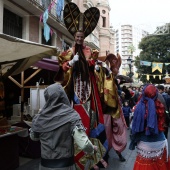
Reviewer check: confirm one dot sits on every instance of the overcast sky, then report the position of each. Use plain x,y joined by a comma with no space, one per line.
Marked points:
146,14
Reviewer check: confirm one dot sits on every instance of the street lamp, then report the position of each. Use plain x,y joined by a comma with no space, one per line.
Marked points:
129,62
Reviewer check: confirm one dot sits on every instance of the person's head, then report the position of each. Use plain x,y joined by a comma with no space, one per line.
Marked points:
150,91
126,103
141,88
124,88
79,37
134,88
160,88
150,104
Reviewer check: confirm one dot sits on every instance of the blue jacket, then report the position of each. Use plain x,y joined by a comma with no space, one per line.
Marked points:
126,111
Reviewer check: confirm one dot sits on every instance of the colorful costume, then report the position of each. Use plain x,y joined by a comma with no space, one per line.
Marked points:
114,121
88,83
147,129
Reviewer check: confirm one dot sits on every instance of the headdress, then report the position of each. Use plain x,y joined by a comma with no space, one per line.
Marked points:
145,116
76,21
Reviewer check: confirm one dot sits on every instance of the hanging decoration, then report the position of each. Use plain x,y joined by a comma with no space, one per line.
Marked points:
59,8
46,27
157,66
147,77
44,18
145,63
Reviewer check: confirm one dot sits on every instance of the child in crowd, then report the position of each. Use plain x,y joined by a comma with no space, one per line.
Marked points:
126,111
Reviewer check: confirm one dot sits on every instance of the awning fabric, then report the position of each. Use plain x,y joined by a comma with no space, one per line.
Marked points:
25,52
12,48
47,64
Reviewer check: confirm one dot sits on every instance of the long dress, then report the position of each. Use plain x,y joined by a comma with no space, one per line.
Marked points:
85,98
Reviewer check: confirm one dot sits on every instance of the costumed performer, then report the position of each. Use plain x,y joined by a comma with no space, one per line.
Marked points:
147,132
77,68
115,125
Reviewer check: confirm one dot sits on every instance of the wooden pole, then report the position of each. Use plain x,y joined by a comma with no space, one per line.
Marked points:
22,95
21,85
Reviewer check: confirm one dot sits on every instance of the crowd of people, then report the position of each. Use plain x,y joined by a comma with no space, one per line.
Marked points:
87,112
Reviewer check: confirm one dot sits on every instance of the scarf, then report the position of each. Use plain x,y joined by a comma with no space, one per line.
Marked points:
145,117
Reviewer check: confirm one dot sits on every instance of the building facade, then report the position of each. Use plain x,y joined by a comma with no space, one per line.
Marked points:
127,39
23,19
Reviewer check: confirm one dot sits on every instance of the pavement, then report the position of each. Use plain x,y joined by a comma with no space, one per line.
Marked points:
113,162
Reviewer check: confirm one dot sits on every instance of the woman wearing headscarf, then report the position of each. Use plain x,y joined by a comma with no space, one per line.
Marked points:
147,130
58,126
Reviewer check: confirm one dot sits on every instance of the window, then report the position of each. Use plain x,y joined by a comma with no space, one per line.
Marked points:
104,21
103,11
12,24
49,42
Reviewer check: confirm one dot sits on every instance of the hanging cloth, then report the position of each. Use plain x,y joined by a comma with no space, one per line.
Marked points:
59,8
46,27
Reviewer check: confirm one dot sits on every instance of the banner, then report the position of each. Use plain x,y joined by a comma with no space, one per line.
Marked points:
157,66
145,63
147,77
167,64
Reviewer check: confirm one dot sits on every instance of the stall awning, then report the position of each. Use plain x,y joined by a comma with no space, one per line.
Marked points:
47,64
13,49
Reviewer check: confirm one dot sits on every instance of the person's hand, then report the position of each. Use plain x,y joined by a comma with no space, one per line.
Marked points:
97,68
75,58
95,148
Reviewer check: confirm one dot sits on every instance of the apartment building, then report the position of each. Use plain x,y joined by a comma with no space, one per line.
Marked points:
23,19
127,39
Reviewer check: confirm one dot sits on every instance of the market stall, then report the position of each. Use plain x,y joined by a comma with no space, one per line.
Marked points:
16,56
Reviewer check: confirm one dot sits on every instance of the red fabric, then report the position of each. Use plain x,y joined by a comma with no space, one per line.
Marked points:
77,158
84,116
91,62
152,164
97,100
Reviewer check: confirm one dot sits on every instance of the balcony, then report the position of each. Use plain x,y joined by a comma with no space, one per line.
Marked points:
93,41
36,8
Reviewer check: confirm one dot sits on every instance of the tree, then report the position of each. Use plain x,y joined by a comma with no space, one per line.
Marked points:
154,48
131,49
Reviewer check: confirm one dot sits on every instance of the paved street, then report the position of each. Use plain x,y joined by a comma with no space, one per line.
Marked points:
114,163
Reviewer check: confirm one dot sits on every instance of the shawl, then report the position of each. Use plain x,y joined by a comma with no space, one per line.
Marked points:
145,117
56,112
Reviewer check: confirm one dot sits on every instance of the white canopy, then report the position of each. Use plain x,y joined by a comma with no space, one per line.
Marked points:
13,49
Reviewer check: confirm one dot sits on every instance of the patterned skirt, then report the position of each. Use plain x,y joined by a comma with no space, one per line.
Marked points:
155,158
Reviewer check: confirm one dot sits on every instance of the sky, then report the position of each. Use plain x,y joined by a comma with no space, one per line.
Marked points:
145,14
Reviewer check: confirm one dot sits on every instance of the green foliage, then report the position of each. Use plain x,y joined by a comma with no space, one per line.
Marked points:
154,49
131,48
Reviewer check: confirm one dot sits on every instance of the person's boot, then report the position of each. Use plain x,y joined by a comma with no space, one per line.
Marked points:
121,158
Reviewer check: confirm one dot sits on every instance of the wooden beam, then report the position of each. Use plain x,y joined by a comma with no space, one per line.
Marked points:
32,75
14,81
